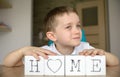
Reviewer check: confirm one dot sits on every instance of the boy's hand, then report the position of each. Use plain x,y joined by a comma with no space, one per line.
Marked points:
92,52
36,52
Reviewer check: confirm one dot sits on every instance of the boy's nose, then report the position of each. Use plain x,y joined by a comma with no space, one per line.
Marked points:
77,30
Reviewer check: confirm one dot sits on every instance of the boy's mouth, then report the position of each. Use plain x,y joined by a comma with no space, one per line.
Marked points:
77,38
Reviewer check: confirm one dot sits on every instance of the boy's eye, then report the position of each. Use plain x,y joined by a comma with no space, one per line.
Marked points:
68,27
78,25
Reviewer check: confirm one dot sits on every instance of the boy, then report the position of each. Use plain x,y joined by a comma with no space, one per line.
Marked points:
62,26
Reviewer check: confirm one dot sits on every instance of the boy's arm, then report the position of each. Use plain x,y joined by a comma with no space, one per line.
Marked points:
15,57
111,60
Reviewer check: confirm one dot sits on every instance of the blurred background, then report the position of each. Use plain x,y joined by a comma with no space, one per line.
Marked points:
21,23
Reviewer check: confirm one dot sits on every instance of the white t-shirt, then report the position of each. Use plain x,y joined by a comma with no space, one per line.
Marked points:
77,49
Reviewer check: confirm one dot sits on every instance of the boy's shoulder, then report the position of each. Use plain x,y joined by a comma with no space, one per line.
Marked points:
84,45
46,47
49,47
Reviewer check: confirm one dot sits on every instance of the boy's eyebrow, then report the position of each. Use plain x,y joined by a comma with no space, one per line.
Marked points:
79,22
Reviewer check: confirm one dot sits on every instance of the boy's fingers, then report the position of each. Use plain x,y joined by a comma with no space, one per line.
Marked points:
80,53
102,52
49,53
87,52
83,52
94,53
90,52
44,51
42,54
36,56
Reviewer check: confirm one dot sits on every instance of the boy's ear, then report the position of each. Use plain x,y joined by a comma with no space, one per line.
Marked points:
51,36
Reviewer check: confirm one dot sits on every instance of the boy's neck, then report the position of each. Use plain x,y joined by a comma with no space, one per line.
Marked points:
64,50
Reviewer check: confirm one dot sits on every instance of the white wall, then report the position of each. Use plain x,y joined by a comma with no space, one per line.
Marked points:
19,19
114,26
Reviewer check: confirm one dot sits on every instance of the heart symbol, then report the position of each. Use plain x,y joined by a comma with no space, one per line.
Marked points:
54,65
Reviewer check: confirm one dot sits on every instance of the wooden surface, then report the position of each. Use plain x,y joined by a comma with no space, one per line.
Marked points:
19,72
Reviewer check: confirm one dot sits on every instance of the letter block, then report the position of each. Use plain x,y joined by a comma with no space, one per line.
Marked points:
75,65
65,65
95,65
32,66
54,65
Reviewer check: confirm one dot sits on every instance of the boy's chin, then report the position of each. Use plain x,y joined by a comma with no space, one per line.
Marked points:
77,44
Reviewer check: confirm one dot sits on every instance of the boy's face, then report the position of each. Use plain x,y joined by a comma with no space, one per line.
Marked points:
68,31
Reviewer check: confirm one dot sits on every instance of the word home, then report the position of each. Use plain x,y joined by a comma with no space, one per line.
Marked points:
65,65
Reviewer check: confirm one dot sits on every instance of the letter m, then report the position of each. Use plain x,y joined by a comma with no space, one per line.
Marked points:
75,65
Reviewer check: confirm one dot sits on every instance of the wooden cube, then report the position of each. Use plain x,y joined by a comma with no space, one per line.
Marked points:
95,65
74,65
54,65
33,66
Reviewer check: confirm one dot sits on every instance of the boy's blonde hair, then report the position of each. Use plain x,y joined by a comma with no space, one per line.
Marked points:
50,19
